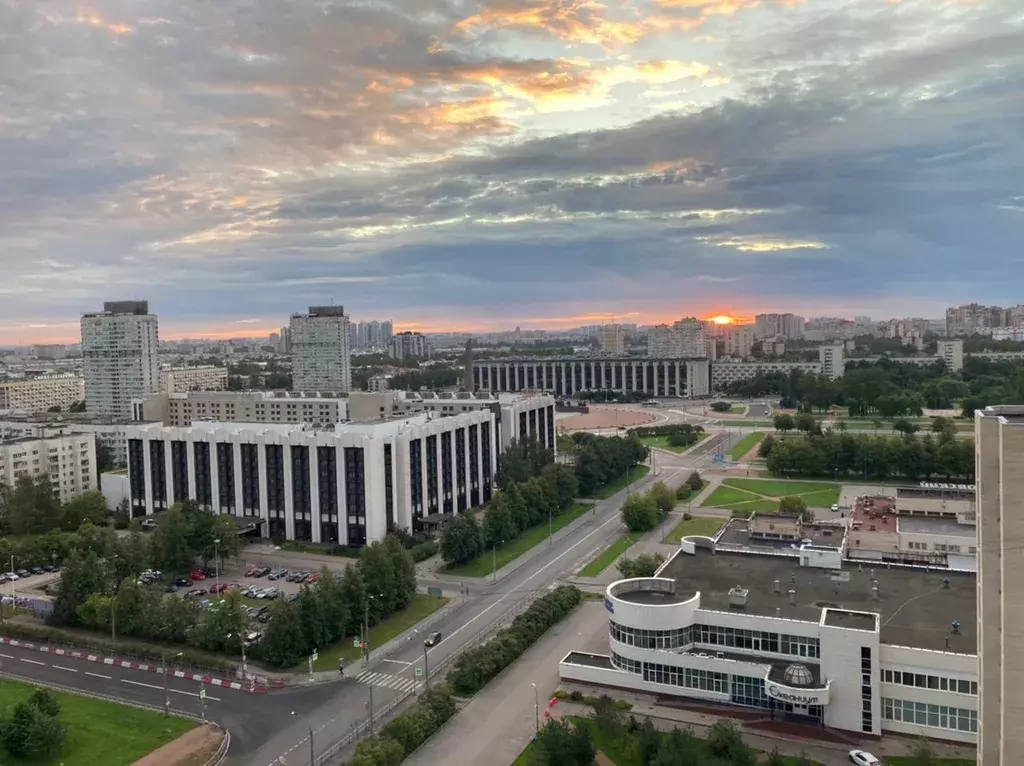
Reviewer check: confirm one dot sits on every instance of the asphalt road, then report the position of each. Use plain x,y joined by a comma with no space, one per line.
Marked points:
759,411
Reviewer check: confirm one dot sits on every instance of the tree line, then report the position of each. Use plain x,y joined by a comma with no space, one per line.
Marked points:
599,460
30,507
531,488
841,455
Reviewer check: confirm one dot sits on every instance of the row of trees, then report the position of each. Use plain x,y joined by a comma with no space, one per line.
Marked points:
30,507
603,459
382,583
870,457
643,512
945,428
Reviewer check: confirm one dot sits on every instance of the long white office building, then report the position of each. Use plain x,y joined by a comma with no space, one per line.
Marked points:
859,649
345,484
567,376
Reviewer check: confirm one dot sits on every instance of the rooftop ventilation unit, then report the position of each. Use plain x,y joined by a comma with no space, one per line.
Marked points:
792,597
738,597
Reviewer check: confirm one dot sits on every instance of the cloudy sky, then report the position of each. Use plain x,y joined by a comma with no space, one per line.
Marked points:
487,163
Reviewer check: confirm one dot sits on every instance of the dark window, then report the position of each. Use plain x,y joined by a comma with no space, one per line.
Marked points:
301,503
416,477
460,469
474,470
524,429
158,474
327,483
432,474
551,427
204,481
389,488
226,476
485,438
250,480
355,496
275,491
137,477
179,471
446,472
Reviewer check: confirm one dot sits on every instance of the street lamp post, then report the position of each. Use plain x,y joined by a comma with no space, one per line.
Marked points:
216,562
167,694
536,710
312,756
426,669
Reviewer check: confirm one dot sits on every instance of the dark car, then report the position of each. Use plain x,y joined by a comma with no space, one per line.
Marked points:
37,570
23,573
183,582
49,568
171,589
433,639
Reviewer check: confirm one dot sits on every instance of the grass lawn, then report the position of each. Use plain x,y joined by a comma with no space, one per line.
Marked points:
99,733
608,556
724,496
906,760
617,485
826,498
774,488
765,506
321,550
698,525
421,607
661,442
744,445
737,409
481,566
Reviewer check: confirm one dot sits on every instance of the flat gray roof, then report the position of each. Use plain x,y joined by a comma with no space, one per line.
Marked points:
735,533
916,610
930,525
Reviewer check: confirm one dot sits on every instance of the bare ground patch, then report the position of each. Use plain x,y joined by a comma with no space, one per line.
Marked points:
194,748
606,417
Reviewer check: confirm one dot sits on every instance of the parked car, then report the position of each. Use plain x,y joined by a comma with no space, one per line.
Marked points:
835,508
37,570
172,588
292,597
433,639
12,576
312,577
183,582
23,573
3,578
198,575
251,571
262,571
864,758
49,568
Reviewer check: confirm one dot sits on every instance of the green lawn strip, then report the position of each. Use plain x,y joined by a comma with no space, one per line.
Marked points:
99,733
616,485
825,498
907,760
766,506
744,445
525,758
481,566
422,606
698,525
661,442
723,496
340,551
775,488
737,409
608,556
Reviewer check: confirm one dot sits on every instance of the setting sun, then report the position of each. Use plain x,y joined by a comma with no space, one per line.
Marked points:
722,319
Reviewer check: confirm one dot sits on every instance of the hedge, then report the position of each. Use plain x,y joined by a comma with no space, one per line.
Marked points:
405,733
476,667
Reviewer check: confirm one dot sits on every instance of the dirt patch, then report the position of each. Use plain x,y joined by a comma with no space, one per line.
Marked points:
603,760
194,748
606,417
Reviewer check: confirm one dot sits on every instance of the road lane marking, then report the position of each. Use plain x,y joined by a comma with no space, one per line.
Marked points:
193,694
99,675
398,662
61,667
7,656
32,662
139,683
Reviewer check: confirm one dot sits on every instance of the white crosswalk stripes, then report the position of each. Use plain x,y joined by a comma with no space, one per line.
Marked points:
386,681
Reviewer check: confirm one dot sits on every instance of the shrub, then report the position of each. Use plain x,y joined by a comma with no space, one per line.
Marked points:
34,729
405,733
424,551
640,513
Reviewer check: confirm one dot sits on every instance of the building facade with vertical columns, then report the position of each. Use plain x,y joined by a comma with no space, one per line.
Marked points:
347,484
568,376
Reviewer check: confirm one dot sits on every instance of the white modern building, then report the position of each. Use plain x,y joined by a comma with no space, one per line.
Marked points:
41,394
858,649
568,376
119,351
68,458
952,353
611,339
321,348
833,360
685,339
726,371
205,377
409,345
348,484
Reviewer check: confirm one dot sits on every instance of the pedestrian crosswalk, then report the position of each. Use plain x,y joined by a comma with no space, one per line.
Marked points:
386,681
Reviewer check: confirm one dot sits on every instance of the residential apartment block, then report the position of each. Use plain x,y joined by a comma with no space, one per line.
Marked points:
409,345
321,350
67,457
788,326
41,394
833,360
611,339
685,339
739,342
207,377
119,351
952,353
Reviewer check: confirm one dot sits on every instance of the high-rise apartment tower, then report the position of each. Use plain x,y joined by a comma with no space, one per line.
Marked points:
119,352
321,350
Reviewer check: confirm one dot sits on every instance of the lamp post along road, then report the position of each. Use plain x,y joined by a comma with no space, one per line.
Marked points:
426,669
216,562
536,710
312,751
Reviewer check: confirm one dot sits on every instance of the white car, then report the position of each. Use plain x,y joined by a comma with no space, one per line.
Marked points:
864,758
835,508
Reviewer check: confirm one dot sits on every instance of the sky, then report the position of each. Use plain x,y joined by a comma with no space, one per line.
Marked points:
483,164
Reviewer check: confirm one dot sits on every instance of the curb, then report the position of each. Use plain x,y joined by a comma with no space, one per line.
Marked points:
252,687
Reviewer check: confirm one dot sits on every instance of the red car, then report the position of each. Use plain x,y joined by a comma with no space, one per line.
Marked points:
197,575
313,577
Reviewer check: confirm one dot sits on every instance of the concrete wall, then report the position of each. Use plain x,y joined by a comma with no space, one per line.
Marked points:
114,487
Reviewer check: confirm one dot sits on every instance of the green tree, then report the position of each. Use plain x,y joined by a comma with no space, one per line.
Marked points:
923,754
29,506
640,513
695,482
725,743
353,591
805,422
82,575
783,422
34,730
498,526
378,751
563,480
88,506
461,539
794,505
334,608
904,426
284,644
172,551
679,749
663,497
561,744
720,406
380,579
644,565
405,571
104,455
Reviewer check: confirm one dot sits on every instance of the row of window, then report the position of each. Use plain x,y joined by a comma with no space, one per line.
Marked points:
714,635
924,714
691,678
922,681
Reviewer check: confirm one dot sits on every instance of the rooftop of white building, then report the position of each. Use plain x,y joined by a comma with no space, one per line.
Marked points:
928,525
915,606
